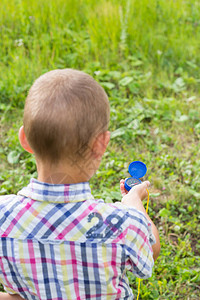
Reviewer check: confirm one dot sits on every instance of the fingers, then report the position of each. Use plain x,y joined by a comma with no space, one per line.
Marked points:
122,188
146,183
124,192
141,186
140,190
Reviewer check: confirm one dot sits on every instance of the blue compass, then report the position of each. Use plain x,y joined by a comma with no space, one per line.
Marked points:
137,169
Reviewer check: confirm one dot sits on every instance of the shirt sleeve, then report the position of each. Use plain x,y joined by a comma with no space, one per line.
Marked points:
9,291
139,241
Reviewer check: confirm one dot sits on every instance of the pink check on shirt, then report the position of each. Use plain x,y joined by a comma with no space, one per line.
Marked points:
57,242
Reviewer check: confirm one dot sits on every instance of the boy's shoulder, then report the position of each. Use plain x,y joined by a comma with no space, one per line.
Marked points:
5,199
118,217
99,219
129,212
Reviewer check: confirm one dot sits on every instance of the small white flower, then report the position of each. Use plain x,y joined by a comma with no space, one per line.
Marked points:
19,42
159,52
97,72
177,228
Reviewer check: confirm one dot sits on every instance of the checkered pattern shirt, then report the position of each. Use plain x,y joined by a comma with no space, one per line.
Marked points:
58,242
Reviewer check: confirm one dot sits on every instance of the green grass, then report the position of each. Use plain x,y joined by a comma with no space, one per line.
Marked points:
146,55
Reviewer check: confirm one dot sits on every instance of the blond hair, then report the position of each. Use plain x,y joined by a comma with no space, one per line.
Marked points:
64,110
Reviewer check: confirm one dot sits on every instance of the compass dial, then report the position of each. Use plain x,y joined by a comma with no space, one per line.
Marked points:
132,181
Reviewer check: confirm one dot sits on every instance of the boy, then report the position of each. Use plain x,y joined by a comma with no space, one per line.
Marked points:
56,241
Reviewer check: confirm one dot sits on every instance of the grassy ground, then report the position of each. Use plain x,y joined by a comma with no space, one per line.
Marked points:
146,55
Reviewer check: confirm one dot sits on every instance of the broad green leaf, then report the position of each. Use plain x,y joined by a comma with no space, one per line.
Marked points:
126,80
108,85
194,193
118,132
13,157
183,118
164,213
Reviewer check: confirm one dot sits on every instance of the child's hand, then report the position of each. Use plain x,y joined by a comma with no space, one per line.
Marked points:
138,191
5,296
122,188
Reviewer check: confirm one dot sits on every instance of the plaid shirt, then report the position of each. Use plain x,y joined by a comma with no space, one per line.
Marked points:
58,242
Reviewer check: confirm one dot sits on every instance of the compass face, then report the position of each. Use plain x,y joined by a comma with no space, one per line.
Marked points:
132,181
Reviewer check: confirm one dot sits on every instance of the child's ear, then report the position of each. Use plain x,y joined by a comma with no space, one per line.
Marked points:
100,144
23,140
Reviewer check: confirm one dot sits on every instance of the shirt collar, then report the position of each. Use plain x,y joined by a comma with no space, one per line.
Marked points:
58,193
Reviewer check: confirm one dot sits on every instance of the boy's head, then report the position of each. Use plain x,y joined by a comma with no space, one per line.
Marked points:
64,110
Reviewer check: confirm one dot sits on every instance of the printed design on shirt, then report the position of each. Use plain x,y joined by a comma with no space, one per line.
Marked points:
110,227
